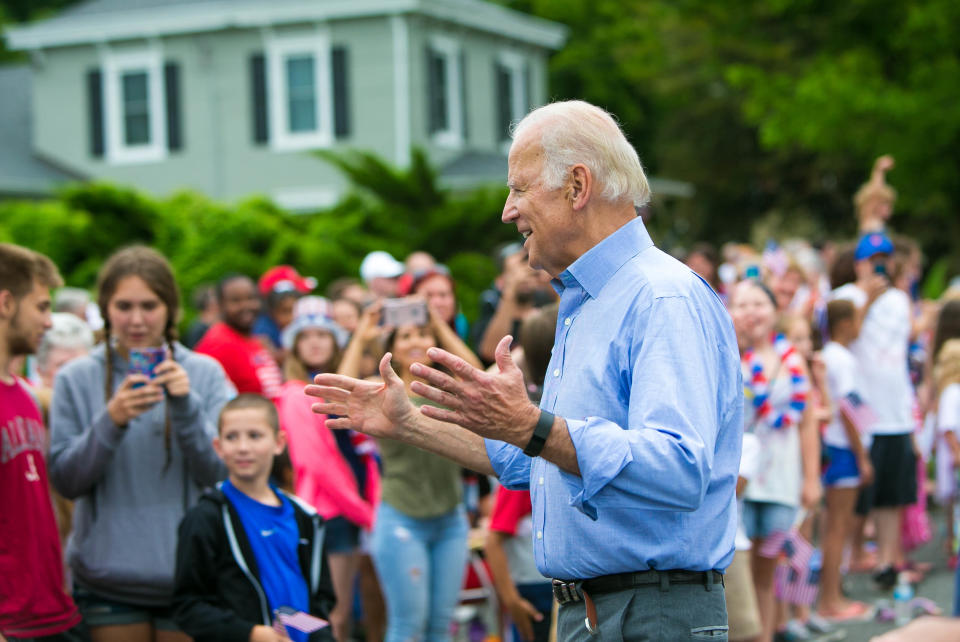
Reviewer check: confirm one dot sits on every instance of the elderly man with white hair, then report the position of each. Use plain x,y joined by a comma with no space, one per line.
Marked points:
632,457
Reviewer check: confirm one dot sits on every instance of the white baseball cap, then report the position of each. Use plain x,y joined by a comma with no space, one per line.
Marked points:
380,264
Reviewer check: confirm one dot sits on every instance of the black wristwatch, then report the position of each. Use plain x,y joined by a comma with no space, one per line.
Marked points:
540,434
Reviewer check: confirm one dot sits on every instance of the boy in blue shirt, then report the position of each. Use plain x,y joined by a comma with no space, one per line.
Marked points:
247,548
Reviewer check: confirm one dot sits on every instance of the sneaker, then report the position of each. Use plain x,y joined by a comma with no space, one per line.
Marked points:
886,578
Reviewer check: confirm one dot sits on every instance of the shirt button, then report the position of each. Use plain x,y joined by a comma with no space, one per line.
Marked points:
541,481
566,321
539,534
556,373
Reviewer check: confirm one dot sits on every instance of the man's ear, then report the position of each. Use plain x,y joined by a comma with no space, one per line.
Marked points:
8,304
579,186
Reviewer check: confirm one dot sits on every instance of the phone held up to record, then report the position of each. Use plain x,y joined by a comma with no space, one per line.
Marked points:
408,311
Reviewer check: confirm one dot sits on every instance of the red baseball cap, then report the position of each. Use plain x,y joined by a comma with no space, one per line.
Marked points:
285,278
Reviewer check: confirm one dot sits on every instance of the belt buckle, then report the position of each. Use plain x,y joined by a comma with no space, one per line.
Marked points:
565,592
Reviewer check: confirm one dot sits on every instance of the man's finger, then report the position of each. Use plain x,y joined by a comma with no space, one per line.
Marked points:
438,379
433,394
341,423
336,381
329,408
502,354
387,372
443,414
326,392
455,364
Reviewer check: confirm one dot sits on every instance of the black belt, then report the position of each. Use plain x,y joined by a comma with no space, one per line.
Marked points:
569,590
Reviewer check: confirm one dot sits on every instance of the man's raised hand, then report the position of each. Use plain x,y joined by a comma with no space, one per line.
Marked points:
492,405
376,408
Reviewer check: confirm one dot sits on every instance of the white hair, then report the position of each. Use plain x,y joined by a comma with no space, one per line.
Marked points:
68,332
575,131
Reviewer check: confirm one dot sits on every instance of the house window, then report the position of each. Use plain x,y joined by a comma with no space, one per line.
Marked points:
301,94
134,106
444,92
301,91
512,92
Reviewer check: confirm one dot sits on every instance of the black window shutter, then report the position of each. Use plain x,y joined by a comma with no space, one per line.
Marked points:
502,96
171,84
464,112
258,89
527,88
95,111
433,124
341,92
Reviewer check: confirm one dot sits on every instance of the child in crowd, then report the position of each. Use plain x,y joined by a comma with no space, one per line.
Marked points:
849,466
247,549
331,473
946,375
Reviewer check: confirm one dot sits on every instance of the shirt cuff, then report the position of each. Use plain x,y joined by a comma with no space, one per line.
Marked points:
509,463
601,456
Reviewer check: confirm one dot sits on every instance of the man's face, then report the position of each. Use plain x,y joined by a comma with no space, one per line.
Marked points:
240,304
876,264
30,321
542,216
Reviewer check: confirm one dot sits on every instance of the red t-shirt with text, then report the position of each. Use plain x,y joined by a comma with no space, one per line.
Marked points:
33,602
247,363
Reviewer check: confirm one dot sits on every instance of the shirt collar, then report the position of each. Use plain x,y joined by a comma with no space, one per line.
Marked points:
595,267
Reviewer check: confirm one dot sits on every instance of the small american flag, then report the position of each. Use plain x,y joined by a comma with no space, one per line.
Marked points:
857,412
286,616
797,586
790,545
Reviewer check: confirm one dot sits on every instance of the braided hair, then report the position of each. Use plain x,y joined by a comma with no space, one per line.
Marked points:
155,271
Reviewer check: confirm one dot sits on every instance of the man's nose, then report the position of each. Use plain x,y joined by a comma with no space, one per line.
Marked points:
509,213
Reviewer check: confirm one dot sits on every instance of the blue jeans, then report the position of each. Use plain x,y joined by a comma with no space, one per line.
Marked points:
421,563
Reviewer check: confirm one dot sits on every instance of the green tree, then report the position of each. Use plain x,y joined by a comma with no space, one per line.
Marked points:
776,107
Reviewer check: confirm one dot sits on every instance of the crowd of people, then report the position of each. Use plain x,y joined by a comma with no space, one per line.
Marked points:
198,492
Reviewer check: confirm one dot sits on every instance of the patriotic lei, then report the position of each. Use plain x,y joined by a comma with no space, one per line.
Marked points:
758,388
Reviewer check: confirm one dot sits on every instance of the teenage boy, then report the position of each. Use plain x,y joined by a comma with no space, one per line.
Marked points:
247,548
33,603
880,348
850,466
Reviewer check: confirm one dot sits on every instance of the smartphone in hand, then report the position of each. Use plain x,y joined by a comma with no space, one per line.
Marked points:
145,360
408,311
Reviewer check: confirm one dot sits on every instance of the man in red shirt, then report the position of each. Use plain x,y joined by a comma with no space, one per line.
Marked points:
244,358
33,603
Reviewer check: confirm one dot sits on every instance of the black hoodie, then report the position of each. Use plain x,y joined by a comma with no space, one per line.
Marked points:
218,596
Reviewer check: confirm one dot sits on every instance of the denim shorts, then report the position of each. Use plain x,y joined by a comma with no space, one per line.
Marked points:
341,535
98,610
760,519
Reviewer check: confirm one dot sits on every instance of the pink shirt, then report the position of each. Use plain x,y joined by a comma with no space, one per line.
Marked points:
321,475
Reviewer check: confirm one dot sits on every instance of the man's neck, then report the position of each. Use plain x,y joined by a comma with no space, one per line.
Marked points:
5,360
241,332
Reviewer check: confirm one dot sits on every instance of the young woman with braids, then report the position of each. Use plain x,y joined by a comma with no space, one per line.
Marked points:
134,452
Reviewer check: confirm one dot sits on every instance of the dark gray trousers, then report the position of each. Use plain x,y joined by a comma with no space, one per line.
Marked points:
649,613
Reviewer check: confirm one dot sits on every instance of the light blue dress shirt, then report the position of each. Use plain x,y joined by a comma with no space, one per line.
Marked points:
646,372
